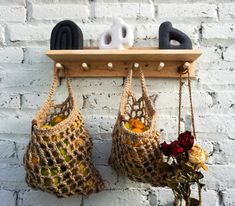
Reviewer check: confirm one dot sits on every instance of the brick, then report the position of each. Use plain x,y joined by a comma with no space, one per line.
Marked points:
12,13
218,31
227,148
29,32
220,177
210,54
109,176
187,12
167,123
229,54
20,77
33,197
11,55
36,55
116,198
226,11
2,36
7,149
147,31
33,101
9,100
219,79
16,122
101,152
127,10
21,147
12,177
229,197
92,31
150,31
15,2
160,196
226,99
170,100
59,11
212,123
7,198
147,11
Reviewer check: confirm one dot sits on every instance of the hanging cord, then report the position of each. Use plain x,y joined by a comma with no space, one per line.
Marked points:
190,100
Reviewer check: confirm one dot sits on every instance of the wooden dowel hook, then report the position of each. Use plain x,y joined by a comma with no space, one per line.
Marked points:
184,68
110,65
85,66
160,66
136,65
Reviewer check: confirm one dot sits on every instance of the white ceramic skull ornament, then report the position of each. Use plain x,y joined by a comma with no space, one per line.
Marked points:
119,36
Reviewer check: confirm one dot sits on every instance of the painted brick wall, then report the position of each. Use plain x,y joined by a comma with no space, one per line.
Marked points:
25,74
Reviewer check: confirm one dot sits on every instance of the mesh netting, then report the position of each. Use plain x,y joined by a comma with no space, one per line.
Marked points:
58,158
136,155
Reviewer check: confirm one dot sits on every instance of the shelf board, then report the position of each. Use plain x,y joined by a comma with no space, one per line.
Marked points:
148,58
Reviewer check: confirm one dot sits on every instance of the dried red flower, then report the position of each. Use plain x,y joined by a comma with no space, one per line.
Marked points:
186,140
176,149
166,148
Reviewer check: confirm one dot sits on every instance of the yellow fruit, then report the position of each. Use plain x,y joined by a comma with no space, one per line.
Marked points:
34,160
67,158
82,169
62,151
56,180
90,182
128,126
57,120
54,138
44,171
46,126
137,130
136,123
79,141
54,171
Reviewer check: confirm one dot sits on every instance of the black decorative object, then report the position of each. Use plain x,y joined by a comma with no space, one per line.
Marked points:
168,33
66,35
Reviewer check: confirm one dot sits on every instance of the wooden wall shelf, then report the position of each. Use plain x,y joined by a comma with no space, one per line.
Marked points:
115,63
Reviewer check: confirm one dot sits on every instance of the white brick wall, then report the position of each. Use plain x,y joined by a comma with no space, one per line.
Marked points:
25,74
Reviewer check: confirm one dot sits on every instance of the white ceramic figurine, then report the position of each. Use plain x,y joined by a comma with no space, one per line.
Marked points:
119,36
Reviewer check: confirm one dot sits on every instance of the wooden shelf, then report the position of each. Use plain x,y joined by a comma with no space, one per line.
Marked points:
148,58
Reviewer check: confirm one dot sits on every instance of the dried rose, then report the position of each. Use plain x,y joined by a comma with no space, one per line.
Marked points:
198,156
186,140
166,148
176,149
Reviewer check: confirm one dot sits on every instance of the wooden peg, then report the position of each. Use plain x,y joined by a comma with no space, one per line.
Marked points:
186,65
161,66
85,66
60,68
136,65
59,65
110,65
184,68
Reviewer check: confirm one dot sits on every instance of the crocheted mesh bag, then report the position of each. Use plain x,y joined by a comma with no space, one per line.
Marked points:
135,154
58,158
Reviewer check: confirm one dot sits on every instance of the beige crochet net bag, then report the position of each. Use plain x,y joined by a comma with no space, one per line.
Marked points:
136,155
58,158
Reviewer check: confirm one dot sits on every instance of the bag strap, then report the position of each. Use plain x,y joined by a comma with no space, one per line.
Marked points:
190,100
128,82
127,90
54,84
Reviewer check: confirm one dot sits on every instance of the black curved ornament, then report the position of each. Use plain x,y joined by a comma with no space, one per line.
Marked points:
168,33
66,35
